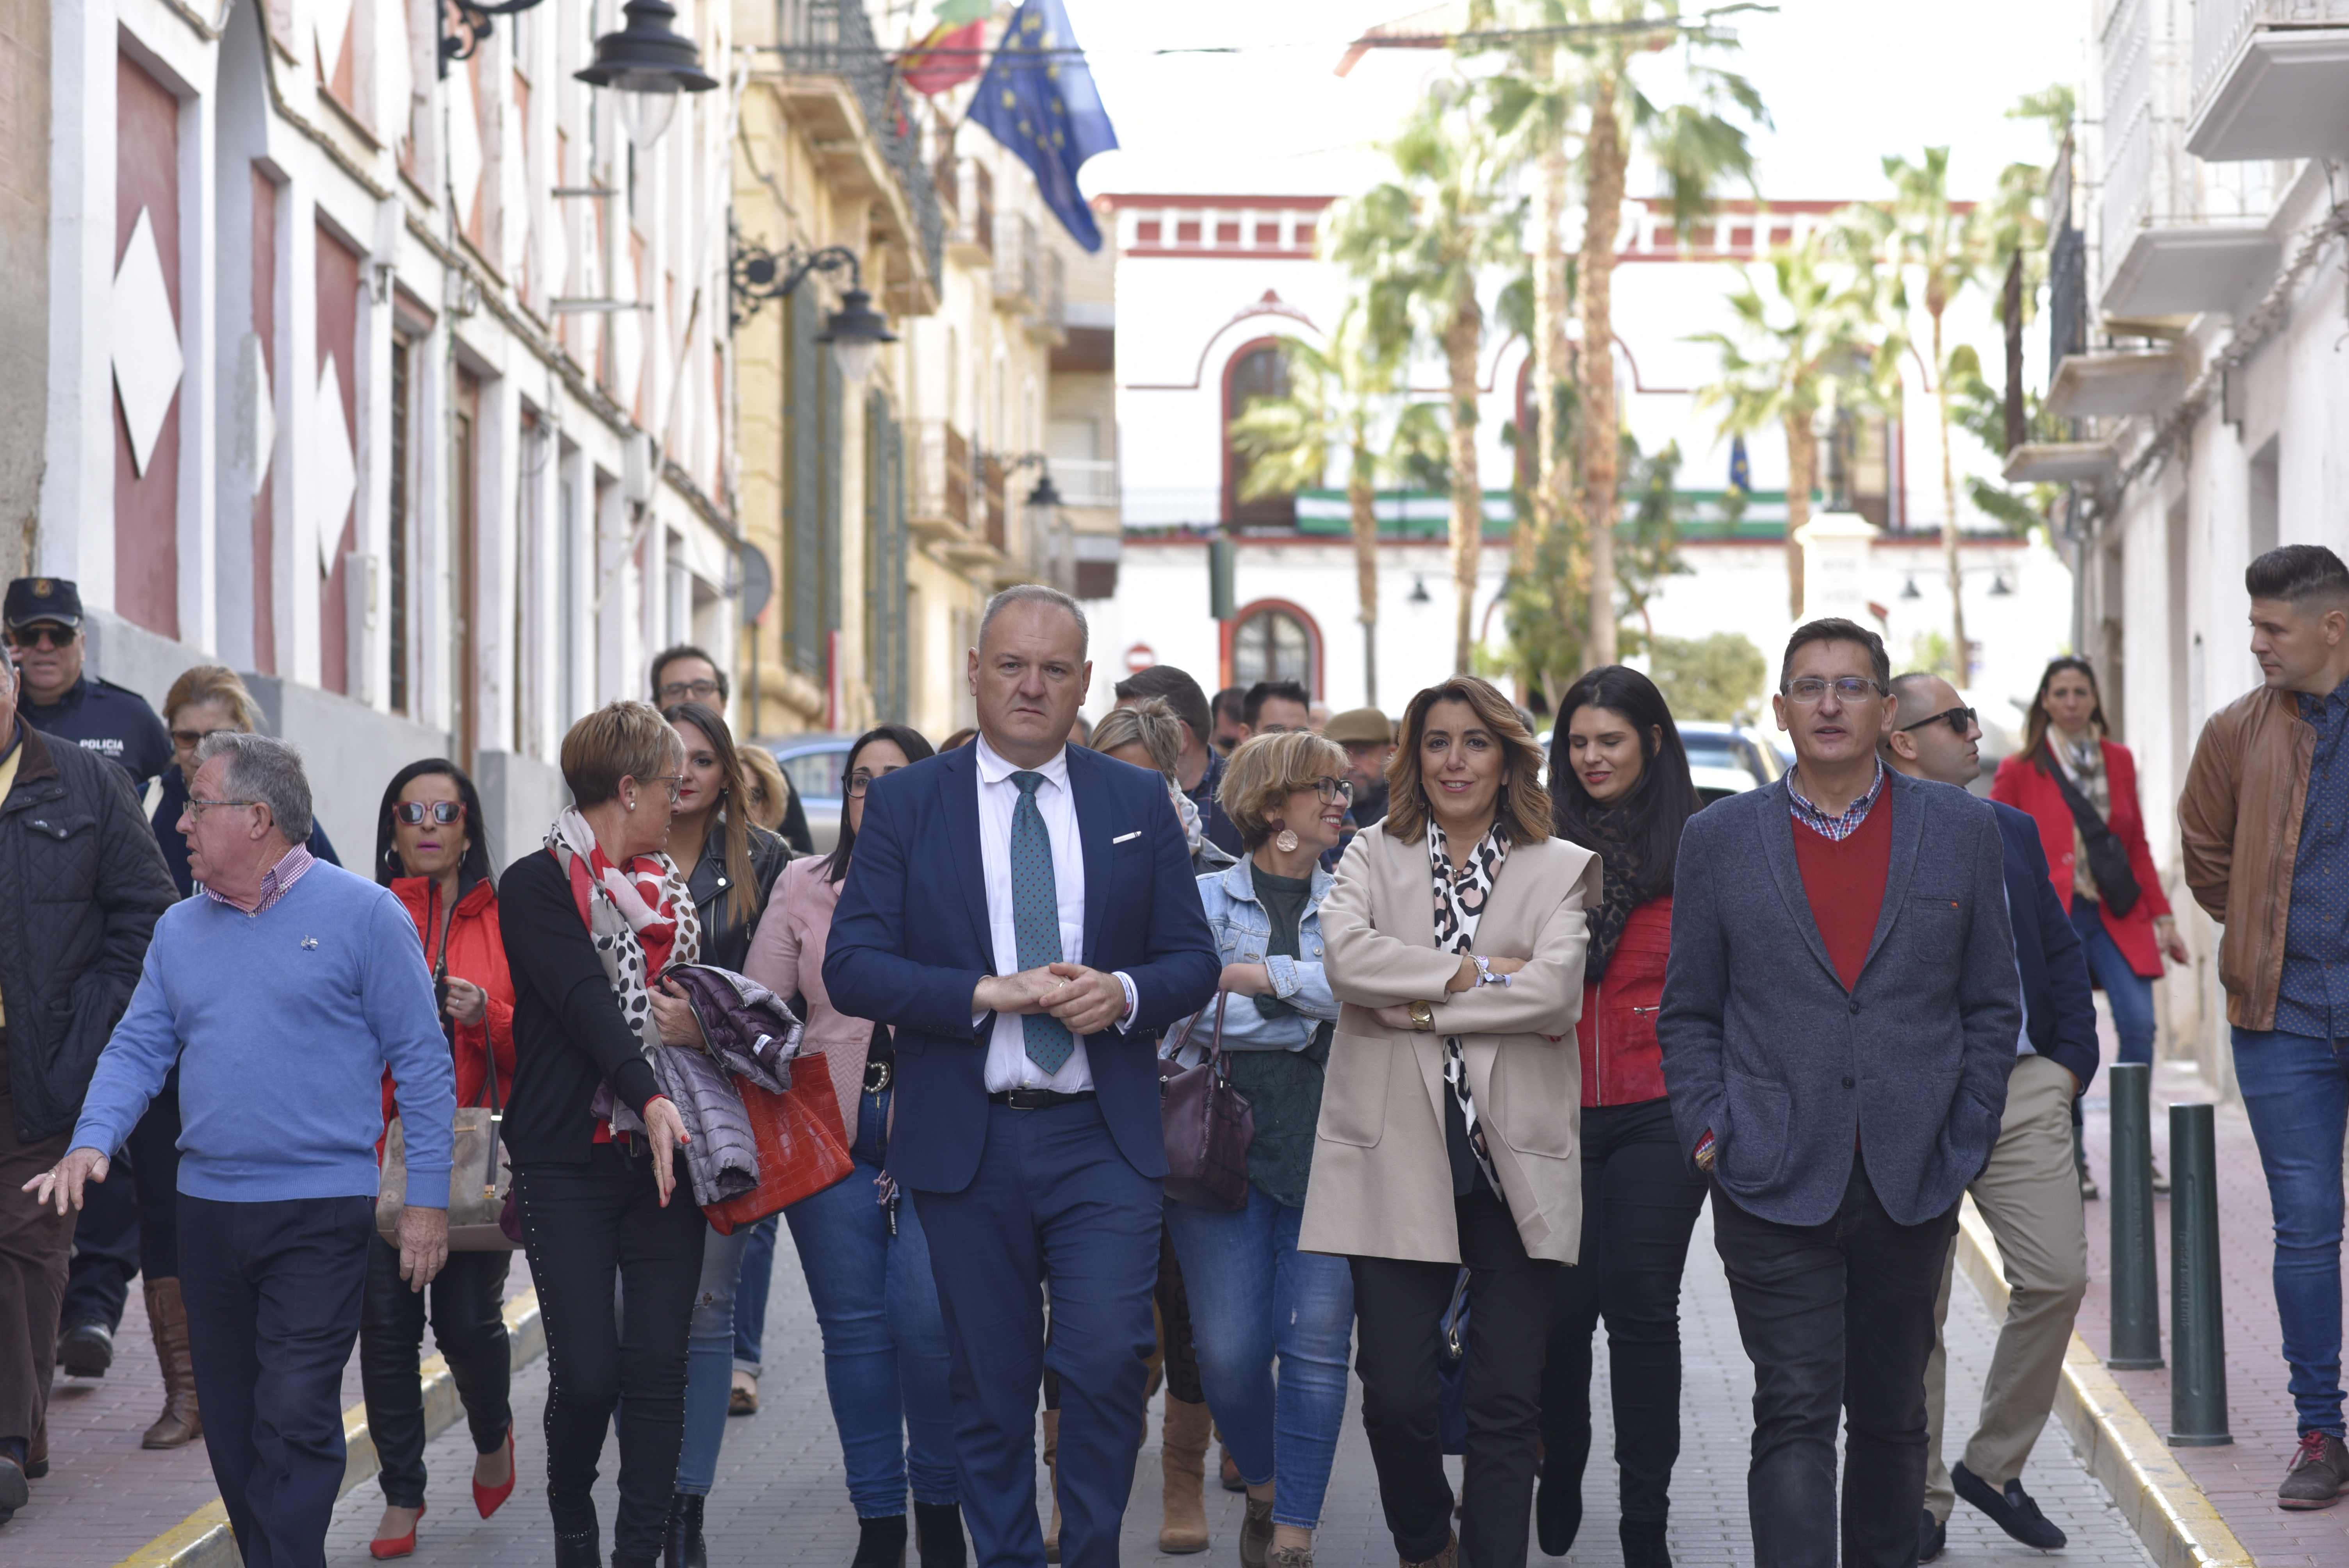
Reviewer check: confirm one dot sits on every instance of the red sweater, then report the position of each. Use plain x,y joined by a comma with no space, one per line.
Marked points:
1844,880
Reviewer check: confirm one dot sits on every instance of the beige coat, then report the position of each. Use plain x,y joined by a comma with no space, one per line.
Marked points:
1381,1183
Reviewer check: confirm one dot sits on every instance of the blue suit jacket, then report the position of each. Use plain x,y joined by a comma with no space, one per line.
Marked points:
2059,1010
910,940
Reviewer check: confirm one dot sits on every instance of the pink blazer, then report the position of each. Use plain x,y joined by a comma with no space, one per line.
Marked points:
787,958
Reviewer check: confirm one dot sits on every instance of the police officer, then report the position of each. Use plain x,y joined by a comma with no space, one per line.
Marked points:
44,621
58,697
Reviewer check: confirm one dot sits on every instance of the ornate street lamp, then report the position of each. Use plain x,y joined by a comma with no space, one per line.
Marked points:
648,62
856,331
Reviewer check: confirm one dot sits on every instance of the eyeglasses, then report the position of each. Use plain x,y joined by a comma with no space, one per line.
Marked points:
196,808
1847,688
679,691
1958,718
188,739
856,781
443,812
1331,789
675,782
47,634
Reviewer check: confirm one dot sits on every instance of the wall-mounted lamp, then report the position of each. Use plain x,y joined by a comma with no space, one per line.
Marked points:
1908,589
465,23
1419,594
856,331
1999,587
648,63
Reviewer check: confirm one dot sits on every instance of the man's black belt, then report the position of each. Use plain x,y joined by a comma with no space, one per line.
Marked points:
1036,1099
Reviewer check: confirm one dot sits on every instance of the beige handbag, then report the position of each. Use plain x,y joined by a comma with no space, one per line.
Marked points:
481,1211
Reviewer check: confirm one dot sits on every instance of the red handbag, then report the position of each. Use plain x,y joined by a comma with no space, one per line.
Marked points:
802,1148
1209,1126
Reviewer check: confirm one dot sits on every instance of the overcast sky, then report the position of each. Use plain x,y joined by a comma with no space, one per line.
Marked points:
1845,82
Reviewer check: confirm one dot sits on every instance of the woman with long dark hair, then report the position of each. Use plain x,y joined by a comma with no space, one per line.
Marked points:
866,1261
432,850
730,865
1620,786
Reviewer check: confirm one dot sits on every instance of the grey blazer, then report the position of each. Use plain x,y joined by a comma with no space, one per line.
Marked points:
1793,1074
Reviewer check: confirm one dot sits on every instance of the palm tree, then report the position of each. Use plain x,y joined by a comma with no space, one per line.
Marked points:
1803,349
1591,84
1419,243
1336,398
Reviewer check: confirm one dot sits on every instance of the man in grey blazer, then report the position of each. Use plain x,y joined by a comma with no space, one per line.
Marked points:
1839,1024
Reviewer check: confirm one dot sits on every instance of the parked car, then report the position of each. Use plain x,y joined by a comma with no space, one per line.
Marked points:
813,763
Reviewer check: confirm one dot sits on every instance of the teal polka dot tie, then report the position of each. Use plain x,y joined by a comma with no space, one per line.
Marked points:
1036,918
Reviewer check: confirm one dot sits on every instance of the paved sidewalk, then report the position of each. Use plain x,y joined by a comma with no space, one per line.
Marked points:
780,1502
2241,1478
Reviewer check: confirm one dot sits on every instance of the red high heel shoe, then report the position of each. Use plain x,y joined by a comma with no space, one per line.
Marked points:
397,1545
490,1499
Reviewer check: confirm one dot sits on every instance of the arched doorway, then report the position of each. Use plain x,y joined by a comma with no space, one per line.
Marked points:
1273,640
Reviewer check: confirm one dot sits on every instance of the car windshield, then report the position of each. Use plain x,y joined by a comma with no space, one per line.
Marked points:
815,775
1712,750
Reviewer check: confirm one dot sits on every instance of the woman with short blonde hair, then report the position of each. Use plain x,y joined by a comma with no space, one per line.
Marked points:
1255,1298
619,741
1449,1132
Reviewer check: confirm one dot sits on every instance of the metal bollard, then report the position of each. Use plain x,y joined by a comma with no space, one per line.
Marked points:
2197,1334
2137,1298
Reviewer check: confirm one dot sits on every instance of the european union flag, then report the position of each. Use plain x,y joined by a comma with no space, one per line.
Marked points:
1038,99
1740,473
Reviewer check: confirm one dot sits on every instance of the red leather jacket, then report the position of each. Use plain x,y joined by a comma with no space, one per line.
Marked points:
477,952
1621,1064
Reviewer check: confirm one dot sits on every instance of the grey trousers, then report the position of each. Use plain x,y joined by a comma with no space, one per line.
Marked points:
2029,1195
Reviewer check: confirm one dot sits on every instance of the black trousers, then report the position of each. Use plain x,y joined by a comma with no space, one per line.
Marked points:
1835,1316
129,1221
273,1292
1640,1203
1398,1303
470,1328
586,1225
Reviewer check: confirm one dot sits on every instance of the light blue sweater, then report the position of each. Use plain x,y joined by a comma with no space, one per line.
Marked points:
282,1023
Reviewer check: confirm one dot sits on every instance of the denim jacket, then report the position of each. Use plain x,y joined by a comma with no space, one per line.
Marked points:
1243,930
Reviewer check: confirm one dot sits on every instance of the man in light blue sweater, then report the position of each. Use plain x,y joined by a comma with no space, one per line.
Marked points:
283,990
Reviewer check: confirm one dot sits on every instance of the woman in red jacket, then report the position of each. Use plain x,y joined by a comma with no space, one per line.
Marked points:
432,851
2123,929
1619,785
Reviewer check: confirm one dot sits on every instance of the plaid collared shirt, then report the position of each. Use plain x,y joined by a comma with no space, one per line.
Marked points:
1837,828
275,883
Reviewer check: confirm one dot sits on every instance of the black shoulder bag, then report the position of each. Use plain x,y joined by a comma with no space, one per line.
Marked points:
2108,859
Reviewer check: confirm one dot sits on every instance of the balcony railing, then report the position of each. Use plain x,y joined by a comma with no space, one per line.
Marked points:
2268,77
991,479
940,498
1050,322
835,37
970,210
1085,482
1015,264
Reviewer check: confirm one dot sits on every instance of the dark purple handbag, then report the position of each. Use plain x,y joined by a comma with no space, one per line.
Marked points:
1209,1126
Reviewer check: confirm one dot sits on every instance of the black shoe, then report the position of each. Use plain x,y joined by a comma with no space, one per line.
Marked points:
1643,1543
579,1551
1557,1510
1932,1535
86,1350
880,1542
938,1534
2012,1511
682,1544
630,1560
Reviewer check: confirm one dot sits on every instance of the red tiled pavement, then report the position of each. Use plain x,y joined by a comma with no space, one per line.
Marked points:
2241,1478
106,1497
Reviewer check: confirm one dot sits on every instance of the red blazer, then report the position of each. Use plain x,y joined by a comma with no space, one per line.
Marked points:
2023,784
477,952
1621,1063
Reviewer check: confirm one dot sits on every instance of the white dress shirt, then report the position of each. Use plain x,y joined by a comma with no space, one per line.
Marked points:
1008,1065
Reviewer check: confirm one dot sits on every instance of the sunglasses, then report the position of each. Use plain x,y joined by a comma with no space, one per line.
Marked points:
443,812
45,635
188,739
1960,719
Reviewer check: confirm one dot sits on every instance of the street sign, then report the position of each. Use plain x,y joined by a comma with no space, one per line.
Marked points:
757,583
1140,656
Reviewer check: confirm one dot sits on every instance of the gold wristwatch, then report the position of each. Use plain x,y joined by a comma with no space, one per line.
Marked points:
1423,1014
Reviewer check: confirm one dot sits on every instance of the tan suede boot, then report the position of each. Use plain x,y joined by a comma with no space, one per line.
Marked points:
1052,1464
1183,1461
181,1423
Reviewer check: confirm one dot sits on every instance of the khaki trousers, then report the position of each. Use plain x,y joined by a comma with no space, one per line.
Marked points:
36,1241
2030,1196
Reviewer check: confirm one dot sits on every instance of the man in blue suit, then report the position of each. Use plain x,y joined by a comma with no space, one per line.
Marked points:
1023,914
2029,1193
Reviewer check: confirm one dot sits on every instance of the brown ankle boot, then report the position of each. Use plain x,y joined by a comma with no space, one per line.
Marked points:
1052,1468
1182,1462
181,1423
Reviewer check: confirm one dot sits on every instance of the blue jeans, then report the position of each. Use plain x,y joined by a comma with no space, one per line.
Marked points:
1254,1296
885,1340
2131,994
750,1295
709,1362
2296,1090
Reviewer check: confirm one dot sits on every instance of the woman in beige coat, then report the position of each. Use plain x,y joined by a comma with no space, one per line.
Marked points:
1449,1109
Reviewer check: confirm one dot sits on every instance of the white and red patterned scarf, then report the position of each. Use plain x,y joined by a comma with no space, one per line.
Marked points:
641,917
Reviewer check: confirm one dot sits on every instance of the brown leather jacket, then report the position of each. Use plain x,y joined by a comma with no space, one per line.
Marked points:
2239,825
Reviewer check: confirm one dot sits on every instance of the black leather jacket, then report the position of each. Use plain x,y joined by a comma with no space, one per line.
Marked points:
726,941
